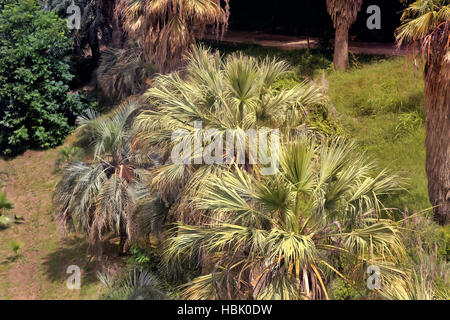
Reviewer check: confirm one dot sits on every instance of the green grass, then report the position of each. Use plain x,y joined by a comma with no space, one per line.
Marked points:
387,86
33,256
381,105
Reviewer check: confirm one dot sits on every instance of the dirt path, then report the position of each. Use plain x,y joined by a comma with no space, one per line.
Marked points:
39,271
293,43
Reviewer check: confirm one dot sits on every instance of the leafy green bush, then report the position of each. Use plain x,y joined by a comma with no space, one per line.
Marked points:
140,258
340,290
36,108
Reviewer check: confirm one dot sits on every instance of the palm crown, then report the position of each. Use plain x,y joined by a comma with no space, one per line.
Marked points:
100,195
278,236
421,18
236,94
167,28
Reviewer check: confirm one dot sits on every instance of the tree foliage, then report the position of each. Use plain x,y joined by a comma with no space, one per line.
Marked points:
36,108
343,13
123,73
95,27
100,196
166,29
279,237
237,94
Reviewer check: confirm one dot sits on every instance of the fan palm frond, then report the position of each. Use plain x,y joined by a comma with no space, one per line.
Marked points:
166,29
136,285
275,236
235,94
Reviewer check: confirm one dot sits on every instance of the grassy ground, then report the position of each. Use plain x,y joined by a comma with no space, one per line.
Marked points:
39,269
381,105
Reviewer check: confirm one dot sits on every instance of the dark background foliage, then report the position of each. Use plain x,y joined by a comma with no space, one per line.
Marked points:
310,17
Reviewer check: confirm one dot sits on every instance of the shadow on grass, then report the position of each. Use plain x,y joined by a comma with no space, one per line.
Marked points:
76,251
304,62
11,259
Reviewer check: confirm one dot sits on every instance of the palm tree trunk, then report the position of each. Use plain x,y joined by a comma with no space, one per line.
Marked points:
109,7
117,33
340,59
437,109
117,28
94,44
124,245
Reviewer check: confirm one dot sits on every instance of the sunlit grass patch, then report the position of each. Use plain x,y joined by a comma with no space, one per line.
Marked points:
381,105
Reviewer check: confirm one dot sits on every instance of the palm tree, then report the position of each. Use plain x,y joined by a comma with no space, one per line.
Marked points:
343,13
165,29
99,196
136,285
427,23
279,237
237,93
123,73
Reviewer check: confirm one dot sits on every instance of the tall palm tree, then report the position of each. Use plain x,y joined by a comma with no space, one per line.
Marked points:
427,23
237,93
278,237
100,196
343,13
165,29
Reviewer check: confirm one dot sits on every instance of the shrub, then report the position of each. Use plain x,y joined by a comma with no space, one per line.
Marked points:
136,285
36,108
5,222
340,290
15,246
